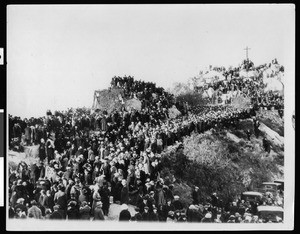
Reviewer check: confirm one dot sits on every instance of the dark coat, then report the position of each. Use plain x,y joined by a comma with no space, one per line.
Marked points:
146,216
73,213
124,215
56,215
49,202
124,195
137,217
42,151
62,202
153,217
195,197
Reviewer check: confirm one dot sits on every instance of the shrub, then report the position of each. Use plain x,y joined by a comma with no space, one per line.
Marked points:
216,164
184,191
193,99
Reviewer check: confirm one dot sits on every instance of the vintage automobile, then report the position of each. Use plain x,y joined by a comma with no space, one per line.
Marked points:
270,187
281,184
252,196
272,213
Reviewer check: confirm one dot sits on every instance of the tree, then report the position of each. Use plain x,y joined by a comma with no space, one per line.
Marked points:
192,99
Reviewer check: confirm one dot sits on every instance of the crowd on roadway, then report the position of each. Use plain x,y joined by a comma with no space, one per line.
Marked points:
87,161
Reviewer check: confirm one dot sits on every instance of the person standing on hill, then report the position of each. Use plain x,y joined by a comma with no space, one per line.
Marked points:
256,126
50,149
266,145
42,150
28,135
248,133
195,195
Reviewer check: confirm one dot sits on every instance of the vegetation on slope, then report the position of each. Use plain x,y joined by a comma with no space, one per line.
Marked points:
216,163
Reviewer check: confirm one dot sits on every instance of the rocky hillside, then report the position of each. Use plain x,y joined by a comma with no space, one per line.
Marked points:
226,161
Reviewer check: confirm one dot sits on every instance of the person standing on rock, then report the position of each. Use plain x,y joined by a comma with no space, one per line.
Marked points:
256,126
266,145
42,150
28,135
50,149
248,134
195,195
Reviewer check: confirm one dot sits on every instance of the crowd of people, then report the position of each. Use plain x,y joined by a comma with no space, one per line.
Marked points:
87,161
253,88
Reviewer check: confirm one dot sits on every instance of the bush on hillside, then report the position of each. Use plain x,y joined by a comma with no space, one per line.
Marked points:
193,99
215,164
205,150
185,193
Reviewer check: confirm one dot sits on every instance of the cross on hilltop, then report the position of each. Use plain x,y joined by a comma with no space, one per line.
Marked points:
247,48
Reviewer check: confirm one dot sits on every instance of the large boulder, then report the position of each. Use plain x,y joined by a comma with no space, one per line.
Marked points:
133,104
273,84
272,135
109,100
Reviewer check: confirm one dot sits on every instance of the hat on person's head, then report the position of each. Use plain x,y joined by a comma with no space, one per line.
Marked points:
137,209
248,218
84,203
176,197
18,210
72,203
151,192
237,214
99,203
48,211
208,215
171,212
231,217
33,202
146,208
192,207
20,200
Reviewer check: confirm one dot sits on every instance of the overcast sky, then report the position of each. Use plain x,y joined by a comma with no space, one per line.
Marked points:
58,55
